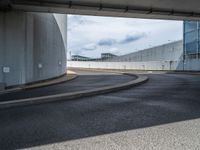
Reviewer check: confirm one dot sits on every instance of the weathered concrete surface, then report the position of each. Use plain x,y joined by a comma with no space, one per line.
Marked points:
161,114
32,46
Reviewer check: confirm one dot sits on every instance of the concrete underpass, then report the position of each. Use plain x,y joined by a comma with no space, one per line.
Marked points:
158,109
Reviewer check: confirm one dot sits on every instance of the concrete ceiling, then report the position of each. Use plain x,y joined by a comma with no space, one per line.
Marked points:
156,9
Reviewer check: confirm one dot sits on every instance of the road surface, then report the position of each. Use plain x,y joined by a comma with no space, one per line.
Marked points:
163,113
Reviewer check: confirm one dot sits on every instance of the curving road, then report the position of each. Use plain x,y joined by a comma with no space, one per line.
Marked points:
86,80
163,113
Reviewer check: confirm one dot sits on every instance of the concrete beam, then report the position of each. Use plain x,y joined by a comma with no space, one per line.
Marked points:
5,4
168,9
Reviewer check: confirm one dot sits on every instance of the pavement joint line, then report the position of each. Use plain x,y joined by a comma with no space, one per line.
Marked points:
75,95
42,84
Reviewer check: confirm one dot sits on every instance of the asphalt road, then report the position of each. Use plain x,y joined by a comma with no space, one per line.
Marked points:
86,80
163,113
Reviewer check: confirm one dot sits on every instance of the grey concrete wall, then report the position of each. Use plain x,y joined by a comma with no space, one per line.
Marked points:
150,65
12,46
32,45
167,52
163,57
187,65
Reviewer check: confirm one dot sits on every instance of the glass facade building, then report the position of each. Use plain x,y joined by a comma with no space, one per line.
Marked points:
191,39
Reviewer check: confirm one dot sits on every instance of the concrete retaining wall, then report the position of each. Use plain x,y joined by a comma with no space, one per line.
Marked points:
165,57
188,65
168,52
32,47
153,65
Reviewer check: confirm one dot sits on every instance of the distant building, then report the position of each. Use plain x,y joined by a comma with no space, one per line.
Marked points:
107,55
79,58
104,56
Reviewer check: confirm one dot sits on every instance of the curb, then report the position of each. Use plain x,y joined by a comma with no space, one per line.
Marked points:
74,95
10,90
53,83
47,83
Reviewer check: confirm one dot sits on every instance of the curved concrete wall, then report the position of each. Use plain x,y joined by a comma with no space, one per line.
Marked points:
32,47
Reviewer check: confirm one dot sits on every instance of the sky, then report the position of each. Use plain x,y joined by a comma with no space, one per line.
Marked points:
91,35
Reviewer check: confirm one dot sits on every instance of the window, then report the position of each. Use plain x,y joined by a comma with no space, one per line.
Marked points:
191,36
191,48
190,25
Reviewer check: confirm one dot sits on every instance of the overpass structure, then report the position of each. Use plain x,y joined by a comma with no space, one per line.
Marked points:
33,40
163,9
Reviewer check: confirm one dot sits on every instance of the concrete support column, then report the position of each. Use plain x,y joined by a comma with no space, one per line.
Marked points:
32,47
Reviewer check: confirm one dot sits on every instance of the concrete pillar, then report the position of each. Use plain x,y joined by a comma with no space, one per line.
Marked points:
32,47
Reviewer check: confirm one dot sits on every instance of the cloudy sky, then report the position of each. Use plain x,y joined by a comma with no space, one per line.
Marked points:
90,36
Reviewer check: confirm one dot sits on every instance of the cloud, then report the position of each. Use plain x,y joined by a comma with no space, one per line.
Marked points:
107,42
91,35
77,21
89,47
127,39
114,50
132,38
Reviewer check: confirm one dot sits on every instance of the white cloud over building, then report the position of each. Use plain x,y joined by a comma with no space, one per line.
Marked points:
91,35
